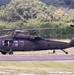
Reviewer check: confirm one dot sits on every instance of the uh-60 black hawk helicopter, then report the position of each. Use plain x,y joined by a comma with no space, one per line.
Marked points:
22,42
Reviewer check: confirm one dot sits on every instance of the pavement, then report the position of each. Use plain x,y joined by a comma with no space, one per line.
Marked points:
36,57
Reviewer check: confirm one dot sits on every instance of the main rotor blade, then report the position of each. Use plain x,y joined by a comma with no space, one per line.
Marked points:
42,29
8,29
30,29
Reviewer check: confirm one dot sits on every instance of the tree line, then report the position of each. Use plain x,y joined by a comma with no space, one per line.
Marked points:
37,14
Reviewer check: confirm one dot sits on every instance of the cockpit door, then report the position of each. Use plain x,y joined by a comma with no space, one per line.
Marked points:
5,43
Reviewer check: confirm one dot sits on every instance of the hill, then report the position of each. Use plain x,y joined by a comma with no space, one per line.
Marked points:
4,2
37,13
28,10
57,3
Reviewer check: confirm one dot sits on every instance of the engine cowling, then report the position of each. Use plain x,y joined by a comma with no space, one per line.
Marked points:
23,36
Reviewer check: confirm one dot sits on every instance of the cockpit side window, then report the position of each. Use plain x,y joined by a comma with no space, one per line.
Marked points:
5,43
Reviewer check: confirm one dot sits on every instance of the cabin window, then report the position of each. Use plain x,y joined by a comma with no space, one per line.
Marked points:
15,43
21,43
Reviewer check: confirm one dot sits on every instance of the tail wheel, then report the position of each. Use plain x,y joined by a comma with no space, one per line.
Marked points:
4,53
53,51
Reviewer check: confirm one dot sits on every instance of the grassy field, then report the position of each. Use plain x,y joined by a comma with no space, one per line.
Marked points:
39,68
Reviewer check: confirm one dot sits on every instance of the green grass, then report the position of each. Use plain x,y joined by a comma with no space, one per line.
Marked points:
14,68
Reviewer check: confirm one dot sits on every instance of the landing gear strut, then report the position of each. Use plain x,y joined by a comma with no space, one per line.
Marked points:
10,52
64,51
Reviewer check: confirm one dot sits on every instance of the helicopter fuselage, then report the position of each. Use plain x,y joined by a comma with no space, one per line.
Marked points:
20,42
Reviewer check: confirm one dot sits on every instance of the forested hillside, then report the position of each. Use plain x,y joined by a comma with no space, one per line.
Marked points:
37,14
4,2
57,3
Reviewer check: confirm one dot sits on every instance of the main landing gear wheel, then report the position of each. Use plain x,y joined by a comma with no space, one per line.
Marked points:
66,53
4,53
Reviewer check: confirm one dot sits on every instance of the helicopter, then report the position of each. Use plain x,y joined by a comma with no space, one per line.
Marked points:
17,41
